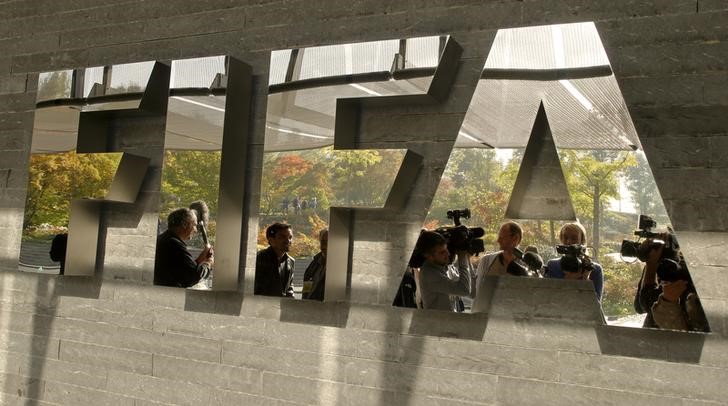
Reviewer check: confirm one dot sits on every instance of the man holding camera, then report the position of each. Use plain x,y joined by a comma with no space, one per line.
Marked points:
439,279
665,291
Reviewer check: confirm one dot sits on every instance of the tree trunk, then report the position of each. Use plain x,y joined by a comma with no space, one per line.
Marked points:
595,228
553,232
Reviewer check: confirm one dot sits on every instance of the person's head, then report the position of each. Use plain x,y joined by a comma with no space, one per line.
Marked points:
433,248
572,233
324,240
183,223
509,235
280,237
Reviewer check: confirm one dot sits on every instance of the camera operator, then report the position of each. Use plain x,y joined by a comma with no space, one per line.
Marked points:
438,277
574,235
666,292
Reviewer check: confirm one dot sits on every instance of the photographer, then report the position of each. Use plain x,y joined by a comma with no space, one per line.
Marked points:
665,291
438,277
573,236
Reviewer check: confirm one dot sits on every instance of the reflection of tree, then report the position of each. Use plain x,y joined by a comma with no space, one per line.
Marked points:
641,184
54,86
592,178
55,179
189,176
131,87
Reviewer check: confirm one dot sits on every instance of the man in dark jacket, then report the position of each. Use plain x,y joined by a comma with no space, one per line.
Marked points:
314,278
273,265
173,263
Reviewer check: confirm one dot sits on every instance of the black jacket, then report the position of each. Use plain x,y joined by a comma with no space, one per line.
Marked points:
267,279
315,274
174,265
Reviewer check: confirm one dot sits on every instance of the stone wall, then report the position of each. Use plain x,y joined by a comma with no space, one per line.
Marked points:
117,340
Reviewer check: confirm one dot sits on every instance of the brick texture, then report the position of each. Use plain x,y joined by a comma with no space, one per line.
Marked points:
113,339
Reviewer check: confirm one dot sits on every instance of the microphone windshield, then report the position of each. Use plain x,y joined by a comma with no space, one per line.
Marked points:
534,261
203,212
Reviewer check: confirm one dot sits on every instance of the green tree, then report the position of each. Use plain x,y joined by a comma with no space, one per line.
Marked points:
643,188
593,178
190,176
55,179
54,86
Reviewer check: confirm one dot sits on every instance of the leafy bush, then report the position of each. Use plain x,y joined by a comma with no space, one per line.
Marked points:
620,286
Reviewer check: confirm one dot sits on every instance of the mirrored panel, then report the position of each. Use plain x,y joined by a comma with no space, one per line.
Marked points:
54,181
304,177
187,230
548,180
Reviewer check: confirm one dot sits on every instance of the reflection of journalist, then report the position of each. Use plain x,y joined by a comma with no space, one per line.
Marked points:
570,234
672,305
173,263
439,279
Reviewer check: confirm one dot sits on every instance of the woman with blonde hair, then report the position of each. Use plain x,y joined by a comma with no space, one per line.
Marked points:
572,234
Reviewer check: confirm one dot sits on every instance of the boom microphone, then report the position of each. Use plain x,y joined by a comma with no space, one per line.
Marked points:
203,216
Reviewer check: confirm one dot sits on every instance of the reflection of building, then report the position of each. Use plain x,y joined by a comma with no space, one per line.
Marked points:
114,339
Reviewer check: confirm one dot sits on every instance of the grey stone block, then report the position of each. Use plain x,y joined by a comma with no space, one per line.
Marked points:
376,128
672,59
34,345
13,84
160,390
332,340
463,386
14,139
230,398
85,375
162,28
36,43
208,374
554,11
166,343
678,120
106,312
697,215
112,358
660,29
693,151
301,390
478,357
712,281
20,386
128,53
15,121
65,394
522,392
664,92
655,377
542,334
50,61
710,5
154,296
684,182
45,8
306,364
647,343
